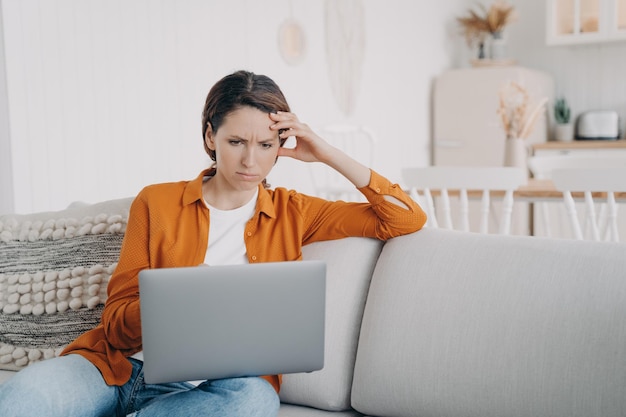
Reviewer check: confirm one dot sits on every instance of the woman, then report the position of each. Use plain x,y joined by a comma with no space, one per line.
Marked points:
227,215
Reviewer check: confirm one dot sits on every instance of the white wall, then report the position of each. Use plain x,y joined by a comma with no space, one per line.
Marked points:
6,166
589,76
105,96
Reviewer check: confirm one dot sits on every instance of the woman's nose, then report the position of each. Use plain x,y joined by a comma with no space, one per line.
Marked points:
248,157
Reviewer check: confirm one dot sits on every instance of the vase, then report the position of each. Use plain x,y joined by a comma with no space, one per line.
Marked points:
515,153
481,51
498,46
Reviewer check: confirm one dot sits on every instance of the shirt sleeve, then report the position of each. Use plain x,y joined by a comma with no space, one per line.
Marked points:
121,316
389,212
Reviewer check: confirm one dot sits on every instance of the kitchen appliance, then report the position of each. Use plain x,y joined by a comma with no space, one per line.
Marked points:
598,125
467,129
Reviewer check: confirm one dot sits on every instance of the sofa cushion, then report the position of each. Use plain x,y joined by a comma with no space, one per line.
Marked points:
288,410
350,263
54,269
481,325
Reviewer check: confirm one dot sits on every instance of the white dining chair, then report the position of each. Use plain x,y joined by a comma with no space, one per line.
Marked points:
358,142
421,183
541,167
599,225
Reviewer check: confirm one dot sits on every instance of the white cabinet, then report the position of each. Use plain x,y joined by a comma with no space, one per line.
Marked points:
571,22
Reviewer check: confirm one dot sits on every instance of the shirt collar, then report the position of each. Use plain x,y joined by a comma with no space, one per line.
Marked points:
265,203
193,193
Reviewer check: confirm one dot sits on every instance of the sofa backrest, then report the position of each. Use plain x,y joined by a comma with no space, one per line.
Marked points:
464,324
349,266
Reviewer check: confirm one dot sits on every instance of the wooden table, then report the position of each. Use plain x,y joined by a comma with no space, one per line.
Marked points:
534,191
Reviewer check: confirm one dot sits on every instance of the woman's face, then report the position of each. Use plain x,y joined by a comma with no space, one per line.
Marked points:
246,149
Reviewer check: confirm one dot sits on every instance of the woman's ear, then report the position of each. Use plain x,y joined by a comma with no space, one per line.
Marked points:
208,137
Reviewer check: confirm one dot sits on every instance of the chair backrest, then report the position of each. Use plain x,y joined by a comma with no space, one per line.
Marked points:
599,224
422,181
358,142
550,215
542,166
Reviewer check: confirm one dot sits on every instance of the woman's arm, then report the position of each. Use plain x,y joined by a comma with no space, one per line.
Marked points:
121,317
312,148
378,218
389,212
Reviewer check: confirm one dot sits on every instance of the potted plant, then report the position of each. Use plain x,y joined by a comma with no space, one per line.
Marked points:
564,130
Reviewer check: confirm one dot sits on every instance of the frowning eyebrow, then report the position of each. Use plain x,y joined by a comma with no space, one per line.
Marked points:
273,139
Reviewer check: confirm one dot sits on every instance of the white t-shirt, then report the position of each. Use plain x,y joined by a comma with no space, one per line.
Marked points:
226,244
226,230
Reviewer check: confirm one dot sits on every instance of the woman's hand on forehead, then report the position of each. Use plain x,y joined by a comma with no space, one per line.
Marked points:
309,146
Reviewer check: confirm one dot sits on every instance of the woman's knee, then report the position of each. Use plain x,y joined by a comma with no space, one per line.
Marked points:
53,387
254,395
264,390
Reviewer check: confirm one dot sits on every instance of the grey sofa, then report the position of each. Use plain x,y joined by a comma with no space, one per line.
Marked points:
437,323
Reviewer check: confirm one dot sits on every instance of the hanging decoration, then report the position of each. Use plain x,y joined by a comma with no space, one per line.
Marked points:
291,40
345,50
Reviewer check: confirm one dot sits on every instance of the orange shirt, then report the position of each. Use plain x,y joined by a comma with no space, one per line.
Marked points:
168,226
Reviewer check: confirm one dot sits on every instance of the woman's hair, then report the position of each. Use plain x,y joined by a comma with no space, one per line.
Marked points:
237,90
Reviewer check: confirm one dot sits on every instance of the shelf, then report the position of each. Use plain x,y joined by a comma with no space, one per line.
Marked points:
581,144
479,63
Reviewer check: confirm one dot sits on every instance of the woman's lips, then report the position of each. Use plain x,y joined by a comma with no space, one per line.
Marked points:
247,176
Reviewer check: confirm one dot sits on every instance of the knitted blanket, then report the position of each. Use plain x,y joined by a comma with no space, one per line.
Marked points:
53,278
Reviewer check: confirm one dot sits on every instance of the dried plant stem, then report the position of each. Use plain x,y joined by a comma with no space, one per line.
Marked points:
532,119
513,111
476,25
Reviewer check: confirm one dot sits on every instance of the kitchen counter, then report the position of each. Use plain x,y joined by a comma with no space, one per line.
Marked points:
578,145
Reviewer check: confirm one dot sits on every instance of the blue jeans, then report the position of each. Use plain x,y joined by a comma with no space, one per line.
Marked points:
73,386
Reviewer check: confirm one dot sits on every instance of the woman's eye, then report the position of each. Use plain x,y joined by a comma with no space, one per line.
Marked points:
234,142
267,145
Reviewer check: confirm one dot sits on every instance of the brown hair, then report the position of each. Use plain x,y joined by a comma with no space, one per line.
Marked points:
239,89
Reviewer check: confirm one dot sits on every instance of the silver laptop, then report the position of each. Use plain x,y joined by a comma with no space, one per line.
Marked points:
213,322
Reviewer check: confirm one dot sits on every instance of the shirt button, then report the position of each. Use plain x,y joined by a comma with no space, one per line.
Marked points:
253,257
378,190
249,233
